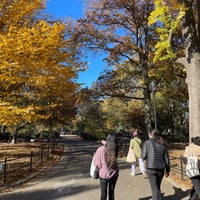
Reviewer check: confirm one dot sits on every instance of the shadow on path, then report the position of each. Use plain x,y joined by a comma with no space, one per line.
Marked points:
177,195
70,179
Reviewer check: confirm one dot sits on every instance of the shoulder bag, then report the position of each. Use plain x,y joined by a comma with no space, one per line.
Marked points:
94,171
192,167
131,157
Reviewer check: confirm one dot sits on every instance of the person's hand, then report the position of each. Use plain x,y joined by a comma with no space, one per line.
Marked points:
166,174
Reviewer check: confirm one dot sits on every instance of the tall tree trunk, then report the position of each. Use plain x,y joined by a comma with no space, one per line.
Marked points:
147,110
193,82
191,40
147,104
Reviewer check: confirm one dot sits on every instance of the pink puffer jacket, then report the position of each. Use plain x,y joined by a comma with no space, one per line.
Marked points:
99,160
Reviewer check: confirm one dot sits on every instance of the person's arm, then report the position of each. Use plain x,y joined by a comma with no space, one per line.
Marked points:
144,151
97,158
167,161
184,160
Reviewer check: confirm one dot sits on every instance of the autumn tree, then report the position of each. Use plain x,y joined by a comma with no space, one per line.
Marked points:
124,82
119,29
90,116
97,117
172,101
39,66
115,114
183,17
135,117
123,117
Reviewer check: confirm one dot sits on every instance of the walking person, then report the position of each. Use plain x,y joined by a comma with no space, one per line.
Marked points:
106,160
136,146
155,153
193,149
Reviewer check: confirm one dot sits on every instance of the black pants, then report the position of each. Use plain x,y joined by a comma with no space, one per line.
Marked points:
155,177
195,192
108,186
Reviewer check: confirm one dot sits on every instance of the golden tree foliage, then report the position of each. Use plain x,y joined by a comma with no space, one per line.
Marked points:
115,110
168,15
38,66
17,13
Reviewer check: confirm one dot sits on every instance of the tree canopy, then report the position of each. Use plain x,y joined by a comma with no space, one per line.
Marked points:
39,62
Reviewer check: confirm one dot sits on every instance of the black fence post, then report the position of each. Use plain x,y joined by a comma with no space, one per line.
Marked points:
42,151
45,152
181,162
31,161
53,147
48,152
5,169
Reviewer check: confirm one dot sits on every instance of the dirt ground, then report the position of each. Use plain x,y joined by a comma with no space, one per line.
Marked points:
18,160
176,150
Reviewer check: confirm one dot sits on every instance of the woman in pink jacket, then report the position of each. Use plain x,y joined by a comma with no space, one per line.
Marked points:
106,160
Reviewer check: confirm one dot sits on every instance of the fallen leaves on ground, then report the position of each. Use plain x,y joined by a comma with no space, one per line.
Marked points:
18,158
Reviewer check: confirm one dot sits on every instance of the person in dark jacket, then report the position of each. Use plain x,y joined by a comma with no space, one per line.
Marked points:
155,152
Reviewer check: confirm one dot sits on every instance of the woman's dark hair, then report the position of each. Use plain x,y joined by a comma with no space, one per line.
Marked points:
111,151
156,134
196,140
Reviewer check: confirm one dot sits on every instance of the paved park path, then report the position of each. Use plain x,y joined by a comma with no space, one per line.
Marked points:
70,180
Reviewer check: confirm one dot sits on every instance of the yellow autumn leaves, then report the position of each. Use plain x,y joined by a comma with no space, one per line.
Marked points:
37,59
164,15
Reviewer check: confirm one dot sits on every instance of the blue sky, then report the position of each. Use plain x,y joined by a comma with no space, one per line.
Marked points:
73,9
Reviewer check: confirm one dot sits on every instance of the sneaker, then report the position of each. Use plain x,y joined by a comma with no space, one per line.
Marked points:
132,174
144,174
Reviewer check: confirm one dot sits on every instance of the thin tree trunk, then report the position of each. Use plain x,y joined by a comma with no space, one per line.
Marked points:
14,137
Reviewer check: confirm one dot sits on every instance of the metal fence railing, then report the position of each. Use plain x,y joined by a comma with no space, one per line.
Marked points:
178,167
13,168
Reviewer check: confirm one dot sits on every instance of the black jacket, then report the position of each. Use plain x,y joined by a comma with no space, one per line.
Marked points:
156,155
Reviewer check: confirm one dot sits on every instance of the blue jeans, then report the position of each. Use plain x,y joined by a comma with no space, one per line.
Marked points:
105,184
155,177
